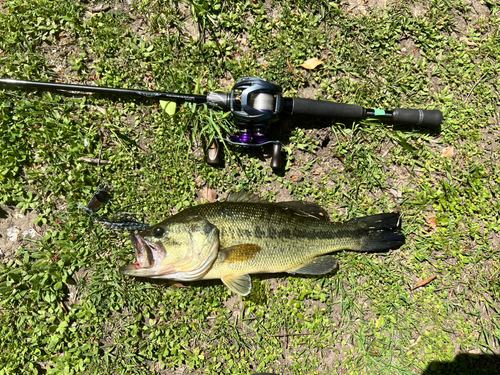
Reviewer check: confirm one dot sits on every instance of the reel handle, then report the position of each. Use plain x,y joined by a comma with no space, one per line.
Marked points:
215,151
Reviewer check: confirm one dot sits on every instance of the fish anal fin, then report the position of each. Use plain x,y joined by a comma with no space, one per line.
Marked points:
306,209
318,266
239,284
239,253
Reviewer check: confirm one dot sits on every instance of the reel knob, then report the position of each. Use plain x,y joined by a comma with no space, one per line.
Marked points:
214,153
276,158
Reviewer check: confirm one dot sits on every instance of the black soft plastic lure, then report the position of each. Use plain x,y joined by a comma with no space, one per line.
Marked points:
101,197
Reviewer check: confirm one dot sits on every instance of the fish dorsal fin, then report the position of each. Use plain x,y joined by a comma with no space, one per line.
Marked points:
239,253
378,221
239,284
318,266
245,197
306,209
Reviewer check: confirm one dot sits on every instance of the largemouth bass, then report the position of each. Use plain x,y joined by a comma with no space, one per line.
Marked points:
246,235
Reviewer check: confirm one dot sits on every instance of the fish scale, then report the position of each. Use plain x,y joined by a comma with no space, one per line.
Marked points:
286,239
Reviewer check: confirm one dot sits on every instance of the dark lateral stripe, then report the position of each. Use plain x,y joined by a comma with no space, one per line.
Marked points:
287,233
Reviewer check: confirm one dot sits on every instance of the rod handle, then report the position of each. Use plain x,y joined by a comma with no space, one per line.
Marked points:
322,108
418,117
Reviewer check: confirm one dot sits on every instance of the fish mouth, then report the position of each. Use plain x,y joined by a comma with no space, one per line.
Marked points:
148,254
193,263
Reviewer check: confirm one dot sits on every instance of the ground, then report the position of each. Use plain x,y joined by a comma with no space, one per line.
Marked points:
429,307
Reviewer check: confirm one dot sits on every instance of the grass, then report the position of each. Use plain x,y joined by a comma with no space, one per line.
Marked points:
65,309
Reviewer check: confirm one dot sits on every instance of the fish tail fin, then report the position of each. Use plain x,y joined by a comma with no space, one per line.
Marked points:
380,232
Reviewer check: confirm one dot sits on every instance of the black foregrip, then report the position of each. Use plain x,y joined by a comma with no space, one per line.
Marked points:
322,108
431,118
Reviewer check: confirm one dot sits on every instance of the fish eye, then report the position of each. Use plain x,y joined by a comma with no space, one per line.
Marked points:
158,232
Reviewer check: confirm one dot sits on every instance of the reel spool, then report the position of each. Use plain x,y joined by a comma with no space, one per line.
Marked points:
255,101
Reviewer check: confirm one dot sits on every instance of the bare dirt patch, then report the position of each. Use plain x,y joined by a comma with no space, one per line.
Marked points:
363,6
15,230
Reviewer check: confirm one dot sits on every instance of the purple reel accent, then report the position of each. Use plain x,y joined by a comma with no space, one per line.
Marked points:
243,138
247,138
259,132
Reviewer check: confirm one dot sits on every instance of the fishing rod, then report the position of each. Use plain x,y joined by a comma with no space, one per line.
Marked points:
254,104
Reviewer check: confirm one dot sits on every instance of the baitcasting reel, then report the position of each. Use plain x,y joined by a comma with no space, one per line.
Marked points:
254,103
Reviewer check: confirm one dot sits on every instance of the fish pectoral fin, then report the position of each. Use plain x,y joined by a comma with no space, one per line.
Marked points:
239,253
239,284
318,266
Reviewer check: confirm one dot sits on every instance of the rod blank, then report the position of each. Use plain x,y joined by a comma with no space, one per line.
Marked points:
104,90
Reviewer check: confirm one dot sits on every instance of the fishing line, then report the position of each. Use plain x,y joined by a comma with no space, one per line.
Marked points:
120,220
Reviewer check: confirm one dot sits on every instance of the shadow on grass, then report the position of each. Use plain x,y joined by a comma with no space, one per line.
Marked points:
466,364
257,295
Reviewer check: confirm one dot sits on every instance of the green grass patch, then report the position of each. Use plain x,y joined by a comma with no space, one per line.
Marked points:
64,308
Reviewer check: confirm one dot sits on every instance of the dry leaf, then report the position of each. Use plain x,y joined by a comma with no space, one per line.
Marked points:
311,63
289,65
448,152
209,194
424,282
432,224
294,178
396,192
102,110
